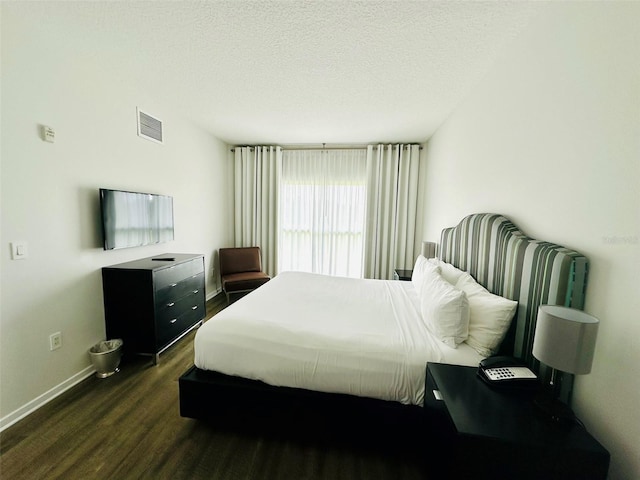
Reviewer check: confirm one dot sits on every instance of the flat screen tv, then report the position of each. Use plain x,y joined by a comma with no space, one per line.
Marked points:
134,219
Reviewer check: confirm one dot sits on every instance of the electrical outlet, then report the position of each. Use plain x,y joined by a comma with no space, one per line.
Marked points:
55,341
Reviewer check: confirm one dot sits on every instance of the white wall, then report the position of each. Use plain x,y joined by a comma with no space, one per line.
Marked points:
56,75
551,138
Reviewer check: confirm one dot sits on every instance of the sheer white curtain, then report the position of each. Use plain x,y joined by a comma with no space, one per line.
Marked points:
257,170
322,211
392,196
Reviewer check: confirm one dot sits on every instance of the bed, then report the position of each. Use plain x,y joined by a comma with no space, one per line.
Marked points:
354,345
328,334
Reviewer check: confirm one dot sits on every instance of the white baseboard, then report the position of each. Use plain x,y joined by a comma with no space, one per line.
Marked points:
211,295
46,397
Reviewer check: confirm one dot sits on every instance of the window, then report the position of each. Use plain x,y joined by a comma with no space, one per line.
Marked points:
322,211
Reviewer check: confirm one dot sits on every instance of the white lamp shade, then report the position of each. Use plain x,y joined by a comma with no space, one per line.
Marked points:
565,338
428,249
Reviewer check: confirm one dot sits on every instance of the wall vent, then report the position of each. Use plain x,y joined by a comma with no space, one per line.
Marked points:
149,127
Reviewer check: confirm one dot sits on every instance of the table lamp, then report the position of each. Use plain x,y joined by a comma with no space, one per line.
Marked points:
565,340
429,249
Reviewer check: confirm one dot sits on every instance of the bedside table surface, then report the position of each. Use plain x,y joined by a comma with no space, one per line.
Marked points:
476,409
498,433
403,274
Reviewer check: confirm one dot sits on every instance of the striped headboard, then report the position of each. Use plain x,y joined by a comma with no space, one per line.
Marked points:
510,264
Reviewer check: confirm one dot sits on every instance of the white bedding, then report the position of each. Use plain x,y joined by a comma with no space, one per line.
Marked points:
329,334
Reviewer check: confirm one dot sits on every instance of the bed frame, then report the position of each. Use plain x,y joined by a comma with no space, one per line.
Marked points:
489,247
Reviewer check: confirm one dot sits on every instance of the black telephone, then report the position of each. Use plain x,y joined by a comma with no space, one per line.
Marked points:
506,371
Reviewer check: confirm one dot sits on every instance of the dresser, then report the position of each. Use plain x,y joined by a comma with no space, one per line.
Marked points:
153,302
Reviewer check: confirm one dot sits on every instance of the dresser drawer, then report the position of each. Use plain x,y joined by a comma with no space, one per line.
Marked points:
175,291
170,328
173,275
173,310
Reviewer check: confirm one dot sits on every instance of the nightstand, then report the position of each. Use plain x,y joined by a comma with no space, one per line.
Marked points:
498,433
400,274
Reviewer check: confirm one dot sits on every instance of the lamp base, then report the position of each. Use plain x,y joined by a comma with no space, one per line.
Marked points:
554,410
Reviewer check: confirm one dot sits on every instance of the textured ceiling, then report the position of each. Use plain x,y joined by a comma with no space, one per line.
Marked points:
299,72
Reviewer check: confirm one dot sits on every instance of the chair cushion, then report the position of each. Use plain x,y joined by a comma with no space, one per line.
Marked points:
242,259
237,282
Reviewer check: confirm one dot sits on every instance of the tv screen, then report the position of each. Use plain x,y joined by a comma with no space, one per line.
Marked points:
133,219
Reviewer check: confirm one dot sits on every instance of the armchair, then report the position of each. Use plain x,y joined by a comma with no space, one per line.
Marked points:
241,270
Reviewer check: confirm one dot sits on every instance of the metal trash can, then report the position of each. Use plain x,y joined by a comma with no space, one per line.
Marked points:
106,356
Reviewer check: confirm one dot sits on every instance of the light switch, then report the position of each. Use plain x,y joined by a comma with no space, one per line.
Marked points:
19,250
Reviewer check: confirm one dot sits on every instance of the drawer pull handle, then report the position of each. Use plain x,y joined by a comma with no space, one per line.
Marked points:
171,304
194,307
173,321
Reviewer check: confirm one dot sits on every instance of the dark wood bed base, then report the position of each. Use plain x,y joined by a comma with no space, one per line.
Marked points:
216,396
489,247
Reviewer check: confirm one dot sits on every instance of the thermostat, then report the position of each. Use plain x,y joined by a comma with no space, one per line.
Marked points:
48,134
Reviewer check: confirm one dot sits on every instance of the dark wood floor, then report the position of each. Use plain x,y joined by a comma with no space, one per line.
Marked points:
129,426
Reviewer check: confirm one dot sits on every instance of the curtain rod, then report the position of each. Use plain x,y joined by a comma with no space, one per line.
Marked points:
325,147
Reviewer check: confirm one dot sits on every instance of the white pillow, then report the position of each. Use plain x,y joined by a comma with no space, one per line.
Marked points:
418,272
490,316
450,273
445,310
422,268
